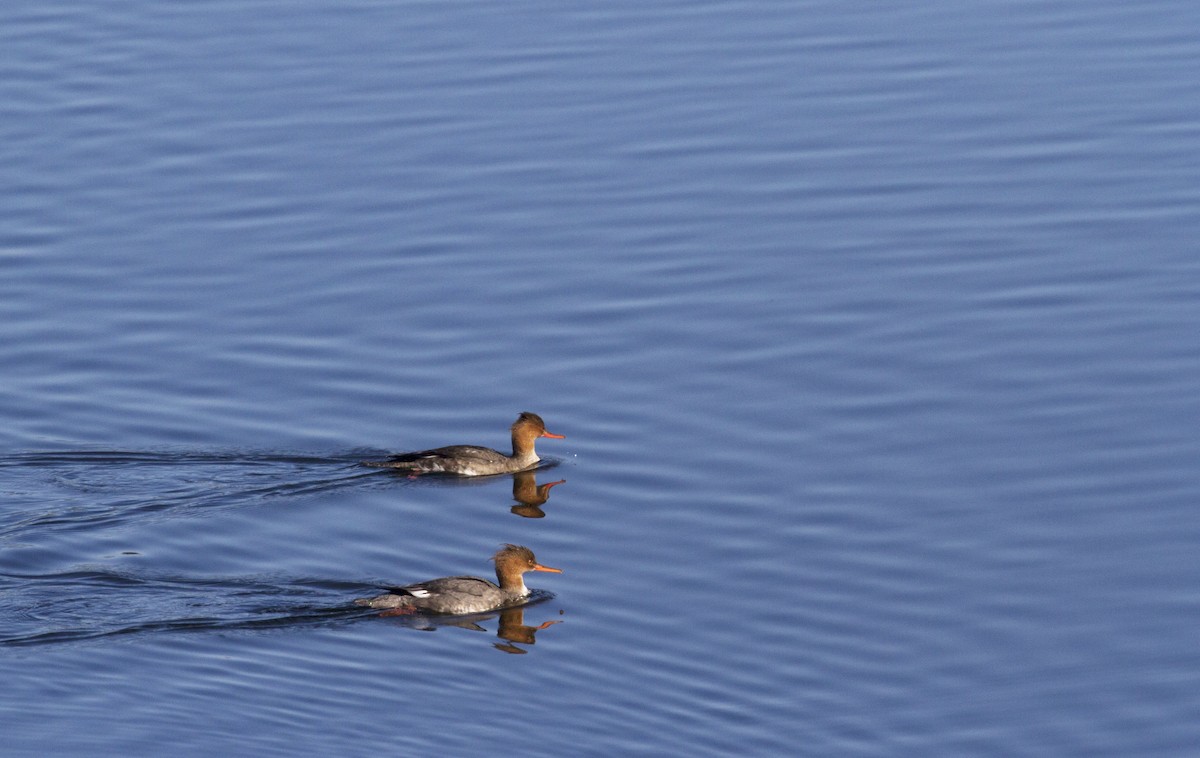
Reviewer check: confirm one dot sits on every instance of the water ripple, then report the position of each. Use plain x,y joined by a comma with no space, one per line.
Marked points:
104,489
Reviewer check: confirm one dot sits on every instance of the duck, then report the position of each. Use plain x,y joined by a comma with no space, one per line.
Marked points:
465,594
470,460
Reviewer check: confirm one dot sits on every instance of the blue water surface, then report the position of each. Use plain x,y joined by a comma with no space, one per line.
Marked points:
872,329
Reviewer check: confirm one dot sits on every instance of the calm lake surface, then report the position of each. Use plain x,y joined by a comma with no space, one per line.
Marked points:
873,330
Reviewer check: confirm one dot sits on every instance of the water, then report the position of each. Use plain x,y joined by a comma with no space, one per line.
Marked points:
871,329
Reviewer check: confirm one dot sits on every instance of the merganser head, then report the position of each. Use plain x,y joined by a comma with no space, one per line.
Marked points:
514,560
531,424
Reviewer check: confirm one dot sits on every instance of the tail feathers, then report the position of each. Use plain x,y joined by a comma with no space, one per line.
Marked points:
389,464
390,600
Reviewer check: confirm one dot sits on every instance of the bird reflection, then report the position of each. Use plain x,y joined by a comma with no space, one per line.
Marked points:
529,495
512,629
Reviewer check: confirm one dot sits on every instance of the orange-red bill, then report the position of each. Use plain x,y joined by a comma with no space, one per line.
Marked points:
553,436
540,567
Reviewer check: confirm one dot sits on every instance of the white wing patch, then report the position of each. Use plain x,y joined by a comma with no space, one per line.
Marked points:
418,592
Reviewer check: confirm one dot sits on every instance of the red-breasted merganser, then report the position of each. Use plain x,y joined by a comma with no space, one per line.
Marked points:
465,594
469,460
